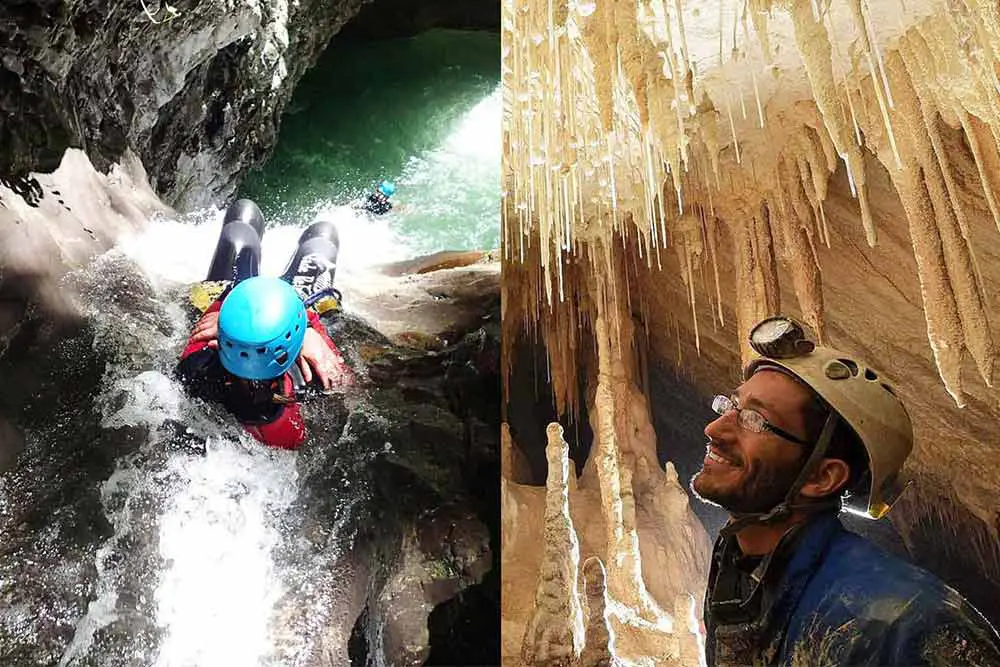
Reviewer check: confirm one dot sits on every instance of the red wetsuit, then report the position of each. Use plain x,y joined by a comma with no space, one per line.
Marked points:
273,424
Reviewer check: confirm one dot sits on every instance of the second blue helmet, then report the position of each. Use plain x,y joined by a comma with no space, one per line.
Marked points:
262,324
388,188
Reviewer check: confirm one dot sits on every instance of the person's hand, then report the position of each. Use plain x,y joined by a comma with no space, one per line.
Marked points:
317,359
207,329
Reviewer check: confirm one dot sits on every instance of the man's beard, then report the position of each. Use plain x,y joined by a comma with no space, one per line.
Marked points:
758,490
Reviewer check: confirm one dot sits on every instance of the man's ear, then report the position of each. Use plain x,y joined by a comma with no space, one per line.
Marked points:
830,477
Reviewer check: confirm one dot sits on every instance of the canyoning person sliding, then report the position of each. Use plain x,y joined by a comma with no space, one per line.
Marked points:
260,346
377,203
809,431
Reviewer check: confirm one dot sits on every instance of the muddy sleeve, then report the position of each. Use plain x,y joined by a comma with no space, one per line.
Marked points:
961,638
942,631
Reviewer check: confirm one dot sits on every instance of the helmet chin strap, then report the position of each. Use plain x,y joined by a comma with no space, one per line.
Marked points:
784,509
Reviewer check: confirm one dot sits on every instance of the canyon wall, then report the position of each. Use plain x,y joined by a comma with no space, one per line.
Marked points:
195,89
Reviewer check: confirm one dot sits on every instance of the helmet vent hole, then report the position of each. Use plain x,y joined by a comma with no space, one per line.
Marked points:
296,327
288,335
871,375
261,350
851,365
244,355
229,343
282,358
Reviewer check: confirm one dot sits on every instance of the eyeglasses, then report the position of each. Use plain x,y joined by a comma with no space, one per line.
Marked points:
751,420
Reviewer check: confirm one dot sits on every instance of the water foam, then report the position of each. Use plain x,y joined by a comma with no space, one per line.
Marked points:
180,250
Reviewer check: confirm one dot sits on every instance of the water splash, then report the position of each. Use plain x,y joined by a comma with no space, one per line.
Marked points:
179,251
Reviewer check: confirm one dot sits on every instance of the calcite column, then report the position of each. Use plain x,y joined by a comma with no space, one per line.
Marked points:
615,480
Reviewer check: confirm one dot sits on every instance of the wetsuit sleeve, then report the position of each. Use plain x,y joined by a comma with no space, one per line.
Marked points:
288,431
199,367
197,346
317,324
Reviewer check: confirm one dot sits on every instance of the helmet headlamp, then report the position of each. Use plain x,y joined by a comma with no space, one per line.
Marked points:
780,338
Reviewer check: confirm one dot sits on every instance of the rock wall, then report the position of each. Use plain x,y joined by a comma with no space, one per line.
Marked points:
423,528
60,222
195,89
385,19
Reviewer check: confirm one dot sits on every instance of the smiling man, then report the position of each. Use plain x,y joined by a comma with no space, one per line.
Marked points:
809,430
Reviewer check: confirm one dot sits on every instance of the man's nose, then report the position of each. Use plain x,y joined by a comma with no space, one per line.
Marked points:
722,427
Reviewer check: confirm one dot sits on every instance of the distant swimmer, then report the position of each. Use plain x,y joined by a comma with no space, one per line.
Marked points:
378,202
260,345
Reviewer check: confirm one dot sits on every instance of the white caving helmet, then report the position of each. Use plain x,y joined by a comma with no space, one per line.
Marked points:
856,392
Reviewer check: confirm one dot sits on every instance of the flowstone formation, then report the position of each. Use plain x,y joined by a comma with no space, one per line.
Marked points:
675,172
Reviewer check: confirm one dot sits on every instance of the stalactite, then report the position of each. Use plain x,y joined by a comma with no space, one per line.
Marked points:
944,329
714,254
955,251
756,96
631,115
756,277
799,251
689,252
619,143
814,46
981,156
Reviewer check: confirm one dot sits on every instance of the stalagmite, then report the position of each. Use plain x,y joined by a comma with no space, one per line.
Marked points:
598,650
554,636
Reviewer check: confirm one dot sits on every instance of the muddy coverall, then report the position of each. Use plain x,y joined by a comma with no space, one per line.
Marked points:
826,596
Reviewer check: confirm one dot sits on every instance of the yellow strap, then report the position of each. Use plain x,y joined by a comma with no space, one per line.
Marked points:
205,293
326,304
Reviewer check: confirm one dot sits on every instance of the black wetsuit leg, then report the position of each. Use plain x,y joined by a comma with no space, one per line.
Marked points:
377,204
314,263
237,254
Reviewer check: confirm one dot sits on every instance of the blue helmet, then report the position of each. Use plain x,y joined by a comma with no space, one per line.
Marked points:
388,188
262,324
